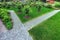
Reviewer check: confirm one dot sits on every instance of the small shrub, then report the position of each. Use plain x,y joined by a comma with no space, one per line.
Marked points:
19,8
6,18
38,8
49,6
57,6
27,11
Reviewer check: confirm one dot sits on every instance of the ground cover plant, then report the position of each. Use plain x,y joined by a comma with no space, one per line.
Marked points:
47,30
34,13
31,11
6,19
28,11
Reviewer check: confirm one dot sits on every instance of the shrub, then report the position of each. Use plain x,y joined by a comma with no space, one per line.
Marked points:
58,6
6,18
26,11
49,6
38,7
19,8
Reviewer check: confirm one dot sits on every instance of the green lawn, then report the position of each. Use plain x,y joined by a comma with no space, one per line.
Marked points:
47,30
33,13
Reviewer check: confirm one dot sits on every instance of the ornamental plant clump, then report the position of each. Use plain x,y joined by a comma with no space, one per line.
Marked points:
38,7
20,8
6,19
27,11
57,4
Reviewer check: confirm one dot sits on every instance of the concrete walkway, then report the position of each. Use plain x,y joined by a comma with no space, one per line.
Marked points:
18,32
30,24
2,27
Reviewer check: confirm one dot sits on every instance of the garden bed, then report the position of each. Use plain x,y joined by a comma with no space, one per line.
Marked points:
26,12
6,19
47,30
33,14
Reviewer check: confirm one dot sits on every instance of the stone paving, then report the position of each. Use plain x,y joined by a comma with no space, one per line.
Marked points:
20,30
2,27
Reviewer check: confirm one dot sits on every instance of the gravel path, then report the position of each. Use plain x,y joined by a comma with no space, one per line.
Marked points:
2,27
30,24
18,32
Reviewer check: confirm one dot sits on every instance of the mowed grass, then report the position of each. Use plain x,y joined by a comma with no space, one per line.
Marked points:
47,30
33,13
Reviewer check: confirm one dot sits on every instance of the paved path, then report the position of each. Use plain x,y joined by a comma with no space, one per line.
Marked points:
36,21
2,27
18,32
